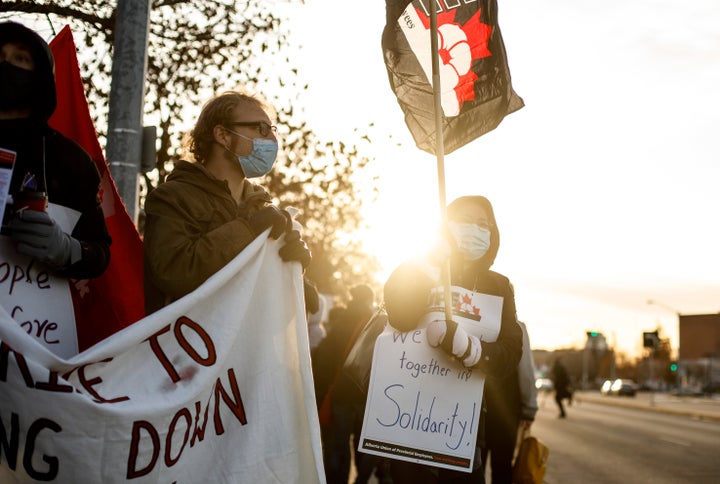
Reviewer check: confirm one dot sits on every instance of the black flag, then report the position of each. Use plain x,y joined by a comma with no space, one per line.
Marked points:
476,92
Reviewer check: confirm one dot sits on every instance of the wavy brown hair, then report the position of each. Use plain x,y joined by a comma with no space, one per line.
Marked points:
217,111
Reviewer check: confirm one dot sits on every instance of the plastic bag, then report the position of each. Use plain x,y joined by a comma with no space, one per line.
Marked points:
531,462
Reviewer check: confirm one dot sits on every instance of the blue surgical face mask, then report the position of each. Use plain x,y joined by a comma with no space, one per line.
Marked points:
260,160
472,240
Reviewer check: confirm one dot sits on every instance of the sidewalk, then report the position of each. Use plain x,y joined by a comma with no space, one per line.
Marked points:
701,408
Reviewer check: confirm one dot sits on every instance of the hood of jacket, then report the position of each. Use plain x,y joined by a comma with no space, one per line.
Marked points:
196,175
45,101
486,261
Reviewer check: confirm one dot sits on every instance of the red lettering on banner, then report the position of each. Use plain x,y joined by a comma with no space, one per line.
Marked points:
191,351
209,346
52,462
132,471
161,356
236,406
185,413
198,431
53,385
89,384
21,363
9,447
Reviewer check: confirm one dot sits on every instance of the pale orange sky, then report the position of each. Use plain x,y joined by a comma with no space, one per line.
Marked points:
605,185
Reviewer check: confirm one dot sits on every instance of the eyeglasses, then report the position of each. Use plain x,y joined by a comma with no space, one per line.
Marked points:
263,128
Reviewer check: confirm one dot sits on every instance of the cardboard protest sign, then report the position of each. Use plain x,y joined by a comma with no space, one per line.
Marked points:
423,406
213,388
24,281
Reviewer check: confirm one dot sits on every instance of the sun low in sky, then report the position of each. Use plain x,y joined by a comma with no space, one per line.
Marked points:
605,185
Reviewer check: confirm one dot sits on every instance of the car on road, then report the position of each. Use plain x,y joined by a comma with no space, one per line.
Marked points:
620,387
544,384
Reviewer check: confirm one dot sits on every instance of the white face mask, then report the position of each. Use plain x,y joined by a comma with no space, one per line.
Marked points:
473,241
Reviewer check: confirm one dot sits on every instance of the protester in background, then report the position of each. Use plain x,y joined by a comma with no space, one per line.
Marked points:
471,240
316,329
346,404
47,164
324,358
561,382
208,211
312,301
511,408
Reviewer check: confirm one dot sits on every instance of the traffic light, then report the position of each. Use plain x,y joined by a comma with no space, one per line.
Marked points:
592,334
673,366
651,339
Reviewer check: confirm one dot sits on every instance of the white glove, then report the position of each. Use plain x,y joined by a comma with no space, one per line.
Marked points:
464,346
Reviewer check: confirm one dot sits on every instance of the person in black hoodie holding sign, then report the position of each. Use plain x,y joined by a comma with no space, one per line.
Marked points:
472,238
47,164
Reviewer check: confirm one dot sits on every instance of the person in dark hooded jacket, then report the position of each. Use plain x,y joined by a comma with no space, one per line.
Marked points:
473,239
46,163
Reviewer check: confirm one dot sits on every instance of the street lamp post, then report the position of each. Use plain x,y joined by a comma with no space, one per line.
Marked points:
653,302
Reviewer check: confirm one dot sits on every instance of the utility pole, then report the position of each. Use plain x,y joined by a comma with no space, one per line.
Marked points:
679,317
613,364
127,92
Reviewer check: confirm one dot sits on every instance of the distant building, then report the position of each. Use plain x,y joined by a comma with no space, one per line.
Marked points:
699,352
699,336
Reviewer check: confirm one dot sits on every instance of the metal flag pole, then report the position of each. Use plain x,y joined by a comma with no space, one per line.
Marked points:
440,151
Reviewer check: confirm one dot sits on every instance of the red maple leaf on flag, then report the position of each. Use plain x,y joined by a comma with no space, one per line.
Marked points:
476,38
474,77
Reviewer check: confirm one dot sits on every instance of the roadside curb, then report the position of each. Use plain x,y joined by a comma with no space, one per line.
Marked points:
620,402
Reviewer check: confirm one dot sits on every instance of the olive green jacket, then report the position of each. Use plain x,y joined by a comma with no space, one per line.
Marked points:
193,228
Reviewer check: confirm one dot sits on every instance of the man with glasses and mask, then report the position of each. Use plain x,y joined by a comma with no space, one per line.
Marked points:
208,211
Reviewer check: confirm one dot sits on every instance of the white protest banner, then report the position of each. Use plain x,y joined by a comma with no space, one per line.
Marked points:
216,387
25,281
423,406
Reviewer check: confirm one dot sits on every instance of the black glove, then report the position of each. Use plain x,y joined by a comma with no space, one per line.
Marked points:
295,249
269,216
37,235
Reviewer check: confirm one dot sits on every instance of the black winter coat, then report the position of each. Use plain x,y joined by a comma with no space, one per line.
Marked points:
70,178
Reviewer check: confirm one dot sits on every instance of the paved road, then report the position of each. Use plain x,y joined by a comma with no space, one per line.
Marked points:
703,408
658,438
608,440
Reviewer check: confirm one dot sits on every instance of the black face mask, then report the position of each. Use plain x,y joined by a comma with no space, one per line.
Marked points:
16,86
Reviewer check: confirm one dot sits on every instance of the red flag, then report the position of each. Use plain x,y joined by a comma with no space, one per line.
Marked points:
476,91
114,300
